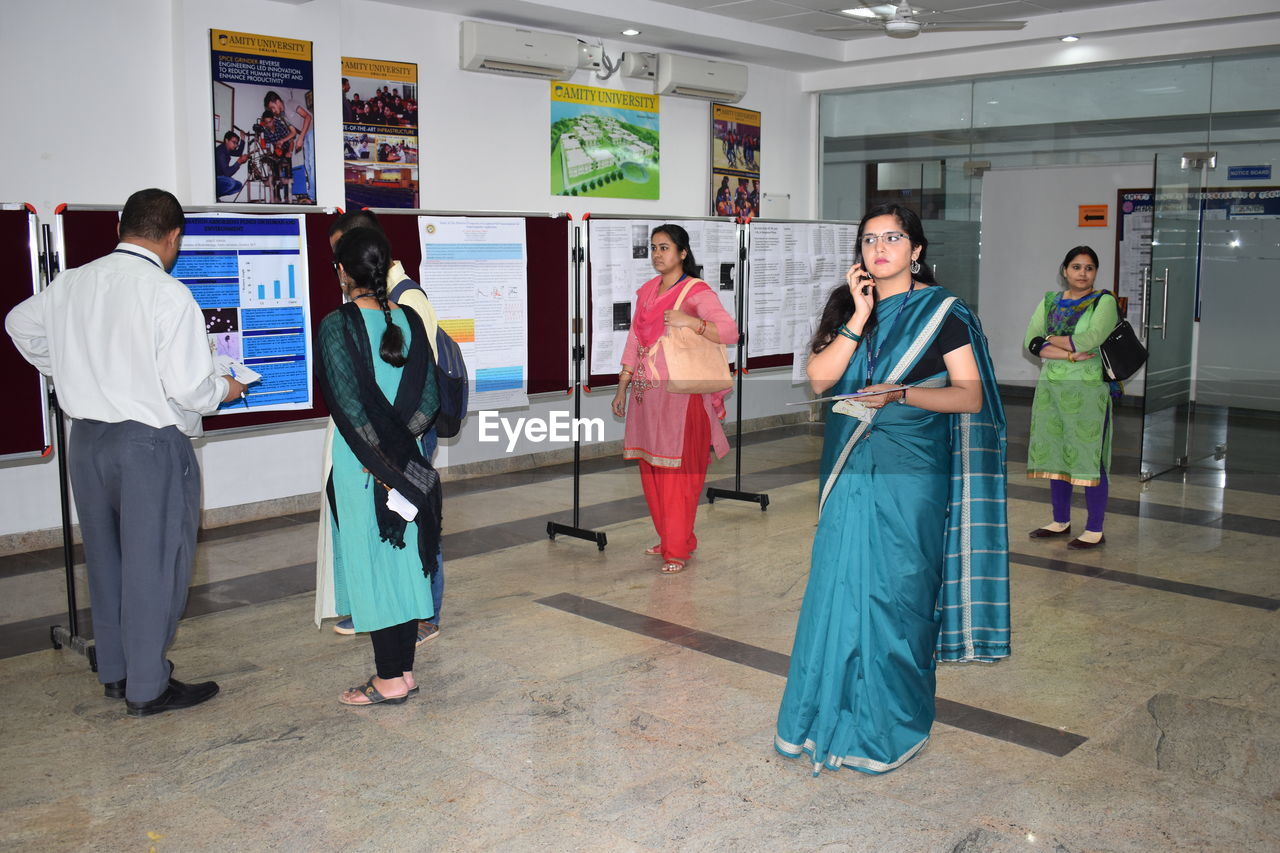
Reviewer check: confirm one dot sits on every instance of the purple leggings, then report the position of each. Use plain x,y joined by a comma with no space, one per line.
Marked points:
1095,500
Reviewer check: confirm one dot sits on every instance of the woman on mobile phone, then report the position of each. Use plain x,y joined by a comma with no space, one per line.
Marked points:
910,556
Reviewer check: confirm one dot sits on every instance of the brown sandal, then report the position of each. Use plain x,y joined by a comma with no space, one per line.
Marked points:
654,550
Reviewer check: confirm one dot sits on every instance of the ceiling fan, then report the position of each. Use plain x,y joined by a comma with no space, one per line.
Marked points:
900,22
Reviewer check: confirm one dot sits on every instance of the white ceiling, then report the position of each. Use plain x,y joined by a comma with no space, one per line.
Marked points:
814,16
784,33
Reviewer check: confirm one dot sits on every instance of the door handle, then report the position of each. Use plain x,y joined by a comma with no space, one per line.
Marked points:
1164,307
1146,299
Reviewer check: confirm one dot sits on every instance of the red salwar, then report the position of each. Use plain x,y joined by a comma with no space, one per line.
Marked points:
673,493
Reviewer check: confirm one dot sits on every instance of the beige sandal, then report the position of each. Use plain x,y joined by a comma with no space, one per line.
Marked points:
673,567
654,550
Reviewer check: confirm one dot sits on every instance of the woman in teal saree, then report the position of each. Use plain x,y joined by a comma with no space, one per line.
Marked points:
910,558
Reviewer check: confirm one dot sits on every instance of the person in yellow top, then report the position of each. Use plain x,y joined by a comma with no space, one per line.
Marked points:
401,290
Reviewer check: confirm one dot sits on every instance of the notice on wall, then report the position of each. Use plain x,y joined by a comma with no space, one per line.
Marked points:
1136,221
249,276
475,269
792,269
1133,251
604,142
380,133
263,129
620,264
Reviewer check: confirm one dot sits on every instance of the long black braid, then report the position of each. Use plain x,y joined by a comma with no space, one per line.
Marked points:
365,255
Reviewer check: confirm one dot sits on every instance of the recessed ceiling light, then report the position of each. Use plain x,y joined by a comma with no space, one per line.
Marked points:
631,32
1070,39
860,12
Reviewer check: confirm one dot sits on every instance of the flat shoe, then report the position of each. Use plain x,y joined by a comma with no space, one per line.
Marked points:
1081,545
175,697
1042,533
654,550
375,698
673,567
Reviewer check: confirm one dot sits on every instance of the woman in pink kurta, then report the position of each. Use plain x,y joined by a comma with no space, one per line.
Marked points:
671,434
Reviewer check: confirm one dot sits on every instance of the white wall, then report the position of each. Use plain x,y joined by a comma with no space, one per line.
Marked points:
1029,221
116,97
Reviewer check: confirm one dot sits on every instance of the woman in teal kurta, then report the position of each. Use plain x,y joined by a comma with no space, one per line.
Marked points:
1071,416
378,380
910,559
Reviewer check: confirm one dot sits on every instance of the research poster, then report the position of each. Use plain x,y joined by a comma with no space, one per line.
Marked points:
619,250
735,162
249,276
380,133
263,129
792,269
604,142
476,270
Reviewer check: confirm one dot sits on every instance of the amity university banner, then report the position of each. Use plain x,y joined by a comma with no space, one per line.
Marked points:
263,133
604,142
380,133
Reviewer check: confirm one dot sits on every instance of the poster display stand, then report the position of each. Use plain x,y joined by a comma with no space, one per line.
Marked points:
736,493
579,355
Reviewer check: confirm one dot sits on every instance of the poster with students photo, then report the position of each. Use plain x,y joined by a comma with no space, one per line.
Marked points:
380,133
263,127
735,161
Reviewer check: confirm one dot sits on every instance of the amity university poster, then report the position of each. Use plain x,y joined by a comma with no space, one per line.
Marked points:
380,133
604,142
263,133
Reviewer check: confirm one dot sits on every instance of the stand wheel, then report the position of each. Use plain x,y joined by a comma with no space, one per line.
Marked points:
92,651
551,531
53,636
764,502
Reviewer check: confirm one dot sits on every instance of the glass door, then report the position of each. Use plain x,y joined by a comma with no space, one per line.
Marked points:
1170,316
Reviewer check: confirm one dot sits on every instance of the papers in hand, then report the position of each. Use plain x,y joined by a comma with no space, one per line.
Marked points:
400,505
852,396
227,366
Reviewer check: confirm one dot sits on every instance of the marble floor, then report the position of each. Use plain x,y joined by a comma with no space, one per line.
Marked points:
575,699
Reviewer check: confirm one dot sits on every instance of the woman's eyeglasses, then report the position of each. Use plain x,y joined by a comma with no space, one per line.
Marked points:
889,237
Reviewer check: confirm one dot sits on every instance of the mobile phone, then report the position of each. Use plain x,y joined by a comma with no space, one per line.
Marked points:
857,260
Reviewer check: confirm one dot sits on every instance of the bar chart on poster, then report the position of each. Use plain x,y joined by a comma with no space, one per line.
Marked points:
247,274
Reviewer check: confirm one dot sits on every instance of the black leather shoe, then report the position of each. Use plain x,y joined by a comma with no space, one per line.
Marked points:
114,689
1042,533
175,697
1081,545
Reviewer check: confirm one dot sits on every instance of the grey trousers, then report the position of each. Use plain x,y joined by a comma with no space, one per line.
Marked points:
137,493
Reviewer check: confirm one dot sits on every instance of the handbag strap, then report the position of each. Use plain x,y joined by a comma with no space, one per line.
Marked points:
684,292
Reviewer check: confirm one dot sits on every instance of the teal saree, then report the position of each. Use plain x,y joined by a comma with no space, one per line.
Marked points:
909,562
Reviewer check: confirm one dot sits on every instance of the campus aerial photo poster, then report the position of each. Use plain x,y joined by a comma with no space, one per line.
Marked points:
604,142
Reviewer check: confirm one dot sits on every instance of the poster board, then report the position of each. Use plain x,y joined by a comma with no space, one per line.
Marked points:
792,267
24,429
86,233
547,275
618,264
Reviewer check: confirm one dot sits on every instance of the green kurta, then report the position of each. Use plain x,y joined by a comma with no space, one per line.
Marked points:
1070,437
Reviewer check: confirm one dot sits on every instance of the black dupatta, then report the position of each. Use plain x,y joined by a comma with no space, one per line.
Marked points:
381,434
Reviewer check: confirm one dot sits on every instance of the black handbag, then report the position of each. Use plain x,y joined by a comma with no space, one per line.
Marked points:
1122,353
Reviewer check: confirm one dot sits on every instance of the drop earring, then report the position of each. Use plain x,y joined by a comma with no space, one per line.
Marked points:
915,267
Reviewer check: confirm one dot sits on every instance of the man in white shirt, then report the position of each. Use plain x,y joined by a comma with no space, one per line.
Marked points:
125,345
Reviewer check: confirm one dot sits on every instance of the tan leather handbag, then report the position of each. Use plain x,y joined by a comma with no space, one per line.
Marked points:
694,364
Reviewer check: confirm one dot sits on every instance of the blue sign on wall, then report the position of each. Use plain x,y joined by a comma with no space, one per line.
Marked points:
1248,173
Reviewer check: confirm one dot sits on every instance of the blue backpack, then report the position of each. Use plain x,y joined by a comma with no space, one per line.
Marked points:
452,385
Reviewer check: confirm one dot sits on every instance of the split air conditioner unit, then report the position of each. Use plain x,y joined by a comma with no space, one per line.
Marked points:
523,53
688,77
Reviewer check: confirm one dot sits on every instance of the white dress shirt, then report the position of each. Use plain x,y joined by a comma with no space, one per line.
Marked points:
123,341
